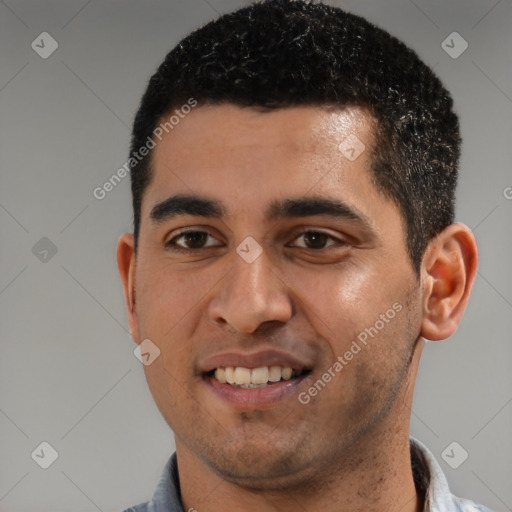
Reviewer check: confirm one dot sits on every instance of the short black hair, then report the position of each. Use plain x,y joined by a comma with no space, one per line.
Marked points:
282,53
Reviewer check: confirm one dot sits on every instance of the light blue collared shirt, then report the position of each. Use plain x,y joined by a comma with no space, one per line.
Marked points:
427,474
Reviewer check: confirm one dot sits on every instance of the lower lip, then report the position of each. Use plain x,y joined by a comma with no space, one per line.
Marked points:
254,398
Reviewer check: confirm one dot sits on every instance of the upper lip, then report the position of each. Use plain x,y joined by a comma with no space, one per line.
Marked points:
261,358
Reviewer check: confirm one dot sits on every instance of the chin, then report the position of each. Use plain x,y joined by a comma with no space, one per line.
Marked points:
265,477
260,466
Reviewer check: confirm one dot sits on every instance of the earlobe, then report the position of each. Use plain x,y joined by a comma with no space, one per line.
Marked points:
448,272
126,266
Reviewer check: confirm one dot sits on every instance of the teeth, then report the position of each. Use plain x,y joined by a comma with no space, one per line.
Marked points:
256,377
274,375
242,375
259,375
286,373
220,375
230,375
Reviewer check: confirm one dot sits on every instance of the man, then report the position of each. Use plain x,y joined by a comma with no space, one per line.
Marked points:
293,177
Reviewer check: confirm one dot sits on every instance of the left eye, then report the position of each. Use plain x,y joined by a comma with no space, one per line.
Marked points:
316,239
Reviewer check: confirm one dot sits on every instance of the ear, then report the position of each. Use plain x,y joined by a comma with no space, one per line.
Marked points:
448,271
126,265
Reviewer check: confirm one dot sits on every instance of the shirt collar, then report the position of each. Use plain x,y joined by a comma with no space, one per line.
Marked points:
428,478
167,497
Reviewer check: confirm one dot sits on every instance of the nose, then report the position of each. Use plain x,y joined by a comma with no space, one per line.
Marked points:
252,294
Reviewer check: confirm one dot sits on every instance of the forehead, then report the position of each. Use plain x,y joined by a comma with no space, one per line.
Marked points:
244,149
296,129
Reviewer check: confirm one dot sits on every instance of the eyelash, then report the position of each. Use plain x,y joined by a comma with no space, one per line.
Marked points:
171,244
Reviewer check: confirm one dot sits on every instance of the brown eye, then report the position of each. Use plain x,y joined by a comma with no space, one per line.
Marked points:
316,240
192,239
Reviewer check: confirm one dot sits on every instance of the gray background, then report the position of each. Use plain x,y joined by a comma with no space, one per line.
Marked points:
68,375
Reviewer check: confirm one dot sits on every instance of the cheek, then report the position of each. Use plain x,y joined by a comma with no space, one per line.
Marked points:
168,303
167,294
169,394
346,298
366,317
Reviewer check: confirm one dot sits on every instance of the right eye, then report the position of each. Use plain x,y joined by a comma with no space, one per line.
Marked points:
190,240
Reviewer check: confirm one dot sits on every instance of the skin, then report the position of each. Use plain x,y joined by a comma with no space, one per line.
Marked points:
348,448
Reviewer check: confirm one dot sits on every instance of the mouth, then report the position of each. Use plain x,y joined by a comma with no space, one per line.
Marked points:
257,380
252,378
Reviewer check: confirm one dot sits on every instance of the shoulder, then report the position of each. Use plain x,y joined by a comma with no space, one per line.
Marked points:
167,494
469,506
143,507
429,477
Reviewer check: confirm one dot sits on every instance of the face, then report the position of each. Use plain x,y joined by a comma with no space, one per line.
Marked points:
266,252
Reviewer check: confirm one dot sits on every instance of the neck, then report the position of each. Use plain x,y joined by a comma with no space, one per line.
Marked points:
375,474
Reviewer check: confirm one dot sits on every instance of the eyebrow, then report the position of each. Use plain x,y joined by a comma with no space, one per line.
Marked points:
307,206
